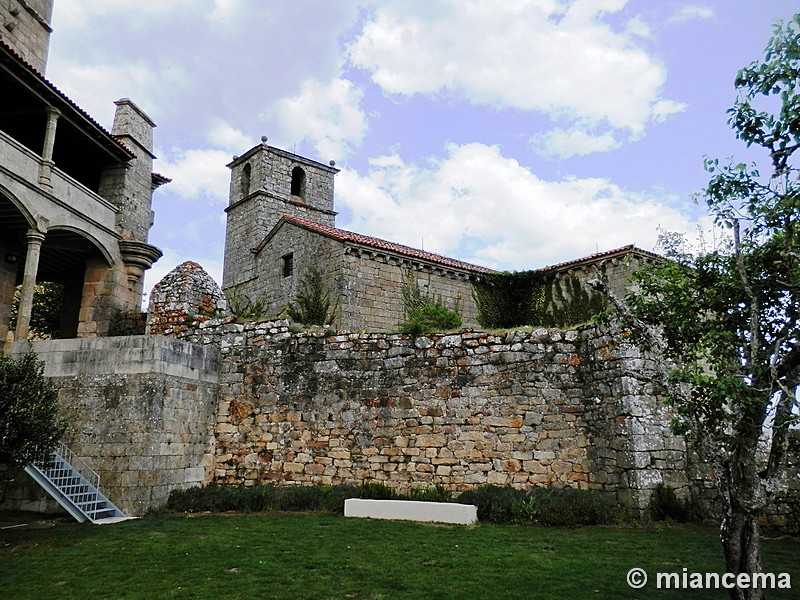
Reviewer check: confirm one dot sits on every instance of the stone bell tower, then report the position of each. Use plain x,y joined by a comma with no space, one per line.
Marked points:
266,184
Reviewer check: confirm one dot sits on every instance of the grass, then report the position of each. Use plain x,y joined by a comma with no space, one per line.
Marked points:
330,557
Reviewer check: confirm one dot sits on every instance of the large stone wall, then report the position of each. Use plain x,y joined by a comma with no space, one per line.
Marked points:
372,289
522,408
139,409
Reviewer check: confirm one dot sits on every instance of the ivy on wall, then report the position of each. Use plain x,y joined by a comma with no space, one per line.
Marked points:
531,298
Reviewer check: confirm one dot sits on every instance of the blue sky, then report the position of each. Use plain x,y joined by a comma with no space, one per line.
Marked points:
509,134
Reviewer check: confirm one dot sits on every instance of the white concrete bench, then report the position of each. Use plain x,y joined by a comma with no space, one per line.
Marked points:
410,510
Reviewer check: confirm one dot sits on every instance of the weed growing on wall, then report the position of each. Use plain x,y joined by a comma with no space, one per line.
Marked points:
127,322
425,312
313,303
568,302
243,308
507,300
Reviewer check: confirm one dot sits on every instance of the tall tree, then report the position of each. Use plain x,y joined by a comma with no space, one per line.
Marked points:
29,423
728,318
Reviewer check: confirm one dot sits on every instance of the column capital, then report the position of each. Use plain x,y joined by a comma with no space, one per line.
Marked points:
52,112
35,236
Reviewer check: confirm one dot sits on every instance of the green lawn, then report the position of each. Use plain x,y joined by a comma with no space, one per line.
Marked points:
321,556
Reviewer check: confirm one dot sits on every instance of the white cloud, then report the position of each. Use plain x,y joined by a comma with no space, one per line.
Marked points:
223,135
224,9
327,114
74,13
559,143
639,28
196,172
543,56
521,220
663,109
690,12
95,87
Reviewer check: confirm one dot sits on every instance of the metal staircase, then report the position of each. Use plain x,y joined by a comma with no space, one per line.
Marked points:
76,487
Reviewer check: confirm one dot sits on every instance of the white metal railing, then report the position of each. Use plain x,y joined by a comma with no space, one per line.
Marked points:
72,462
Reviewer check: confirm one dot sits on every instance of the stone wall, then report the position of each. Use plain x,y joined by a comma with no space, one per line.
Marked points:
184,293
524,408
26,28
372,290
260,194
140,412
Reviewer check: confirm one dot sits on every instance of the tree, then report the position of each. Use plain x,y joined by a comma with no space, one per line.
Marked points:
48,301
29,423
314,306
728,318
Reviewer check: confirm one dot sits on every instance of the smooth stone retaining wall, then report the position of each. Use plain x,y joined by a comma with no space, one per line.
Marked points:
410,510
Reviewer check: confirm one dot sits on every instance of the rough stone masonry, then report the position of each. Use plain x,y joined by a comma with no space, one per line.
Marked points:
543,407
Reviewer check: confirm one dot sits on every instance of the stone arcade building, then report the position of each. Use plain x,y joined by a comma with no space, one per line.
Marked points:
75,200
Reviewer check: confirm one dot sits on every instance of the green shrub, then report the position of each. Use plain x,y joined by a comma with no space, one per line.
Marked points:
296,498
570,507
546,506
436,493
127,322
376,491
431,317
333,497
665,504
242,308
496,504
425,312
30,425
314,305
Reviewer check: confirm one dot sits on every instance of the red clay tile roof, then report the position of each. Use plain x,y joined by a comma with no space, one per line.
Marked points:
365,240
600,256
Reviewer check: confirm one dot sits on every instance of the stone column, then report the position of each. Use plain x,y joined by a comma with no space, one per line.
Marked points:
46,167
35,240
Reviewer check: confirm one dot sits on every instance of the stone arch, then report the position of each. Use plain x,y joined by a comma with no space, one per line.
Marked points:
299,183
9,202
15,221
244,181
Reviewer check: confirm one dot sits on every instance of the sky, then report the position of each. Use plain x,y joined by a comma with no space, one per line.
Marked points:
513,134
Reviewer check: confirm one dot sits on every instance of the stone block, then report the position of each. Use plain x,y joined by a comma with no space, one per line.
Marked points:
406,510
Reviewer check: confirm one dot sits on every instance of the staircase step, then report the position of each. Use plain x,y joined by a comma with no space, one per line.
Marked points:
74,492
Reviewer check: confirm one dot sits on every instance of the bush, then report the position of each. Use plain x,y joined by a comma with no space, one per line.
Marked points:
333,497
376,491
431,317
546,506
665,504
260,498
244,309
314,305
496,504
570,507
127,322
30,426
436,493
424,312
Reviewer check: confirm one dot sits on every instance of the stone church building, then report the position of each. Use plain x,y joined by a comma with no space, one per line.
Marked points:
281,223
75,199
